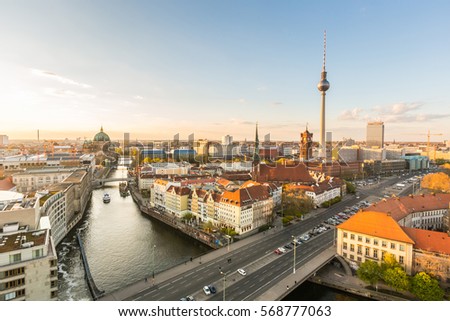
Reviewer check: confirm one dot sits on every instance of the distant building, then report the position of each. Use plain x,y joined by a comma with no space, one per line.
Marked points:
375,134
4,140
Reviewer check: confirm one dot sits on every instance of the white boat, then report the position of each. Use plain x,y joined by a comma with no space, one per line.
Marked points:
106,198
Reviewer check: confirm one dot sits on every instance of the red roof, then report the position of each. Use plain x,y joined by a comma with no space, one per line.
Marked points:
246,195
285,173
429,240
400,207
6,184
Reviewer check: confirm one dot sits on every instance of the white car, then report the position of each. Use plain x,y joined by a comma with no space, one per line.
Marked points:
206,290
242,272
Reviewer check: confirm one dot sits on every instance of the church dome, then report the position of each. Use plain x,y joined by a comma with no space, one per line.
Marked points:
101,136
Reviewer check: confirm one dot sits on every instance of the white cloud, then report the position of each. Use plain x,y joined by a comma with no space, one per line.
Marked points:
66,93
63,80
138,97
353,114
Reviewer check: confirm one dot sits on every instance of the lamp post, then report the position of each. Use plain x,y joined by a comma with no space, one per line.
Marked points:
295,248
228,242
224,281
154,264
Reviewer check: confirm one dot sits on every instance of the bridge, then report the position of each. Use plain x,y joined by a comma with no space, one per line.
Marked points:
101,181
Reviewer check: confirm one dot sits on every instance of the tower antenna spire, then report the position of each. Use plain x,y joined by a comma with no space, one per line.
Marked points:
324,49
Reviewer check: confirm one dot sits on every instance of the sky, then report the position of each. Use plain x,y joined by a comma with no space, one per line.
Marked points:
156,68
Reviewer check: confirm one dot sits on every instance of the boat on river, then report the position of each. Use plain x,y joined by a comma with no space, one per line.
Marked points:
106,198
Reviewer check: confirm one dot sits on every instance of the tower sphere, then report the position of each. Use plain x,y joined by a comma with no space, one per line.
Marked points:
323,85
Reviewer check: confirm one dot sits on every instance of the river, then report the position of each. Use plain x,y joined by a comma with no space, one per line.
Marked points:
122,246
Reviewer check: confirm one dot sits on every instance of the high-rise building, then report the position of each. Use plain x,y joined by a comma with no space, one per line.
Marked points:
375,134
323,86
4,140
227,140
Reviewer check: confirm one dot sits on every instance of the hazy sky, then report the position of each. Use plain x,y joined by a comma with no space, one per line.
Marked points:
156,68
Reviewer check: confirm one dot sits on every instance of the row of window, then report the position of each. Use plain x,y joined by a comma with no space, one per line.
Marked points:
13,295
376,242
11,273
12,284
367,252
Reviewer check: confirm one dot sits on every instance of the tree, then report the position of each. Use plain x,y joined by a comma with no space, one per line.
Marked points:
208,226
437,181
397,278
370,272
426,288
351,188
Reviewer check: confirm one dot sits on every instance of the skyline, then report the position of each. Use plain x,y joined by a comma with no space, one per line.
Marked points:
157,68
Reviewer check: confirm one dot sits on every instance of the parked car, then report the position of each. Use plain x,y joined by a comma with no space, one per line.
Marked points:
206,290
212,289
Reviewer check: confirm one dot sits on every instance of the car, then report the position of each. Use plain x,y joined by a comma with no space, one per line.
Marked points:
242,272
206,290
190,298
288,247
212,289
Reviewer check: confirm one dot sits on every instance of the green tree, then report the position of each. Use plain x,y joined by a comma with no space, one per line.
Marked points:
208,226
351,188
187,217
426,288
396,278
370,272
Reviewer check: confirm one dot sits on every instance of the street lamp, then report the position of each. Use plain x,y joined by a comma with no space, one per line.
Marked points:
295,247
154,264
224,281
228,242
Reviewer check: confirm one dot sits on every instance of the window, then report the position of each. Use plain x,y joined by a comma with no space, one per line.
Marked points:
352,257
367,251
359,238
383,243
13,258
38,253
10,296
383,254
401,247
352,236
375,242
401,259
352,247
359,259
375,253
367,240
393,246
345,235
344,246
359,249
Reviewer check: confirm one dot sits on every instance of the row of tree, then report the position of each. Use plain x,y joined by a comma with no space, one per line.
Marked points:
422,285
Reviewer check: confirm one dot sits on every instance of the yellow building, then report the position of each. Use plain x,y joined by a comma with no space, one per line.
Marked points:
177,200
370,235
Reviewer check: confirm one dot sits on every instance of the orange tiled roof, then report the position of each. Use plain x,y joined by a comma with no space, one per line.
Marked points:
429,240
223,181
246,196
179,190
376,224
6,184
400,207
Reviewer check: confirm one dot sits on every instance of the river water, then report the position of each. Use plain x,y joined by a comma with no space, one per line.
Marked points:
124,246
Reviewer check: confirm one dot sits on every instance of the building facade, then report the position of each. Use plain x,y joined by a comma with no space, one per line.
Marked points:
375,134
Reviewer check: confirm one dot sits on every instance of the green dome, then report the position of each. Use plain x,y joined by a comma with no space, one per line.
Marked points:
101,136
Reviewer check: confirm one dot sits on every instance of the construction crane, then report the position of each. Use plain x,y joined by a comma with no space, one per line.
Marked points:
428,142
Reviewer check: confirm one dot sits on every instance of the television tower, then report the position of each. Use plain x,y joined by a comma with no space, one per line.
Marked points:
323,86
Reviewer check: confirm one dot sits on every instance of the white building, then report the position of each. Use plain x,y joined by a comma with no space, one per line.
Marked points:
28,261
